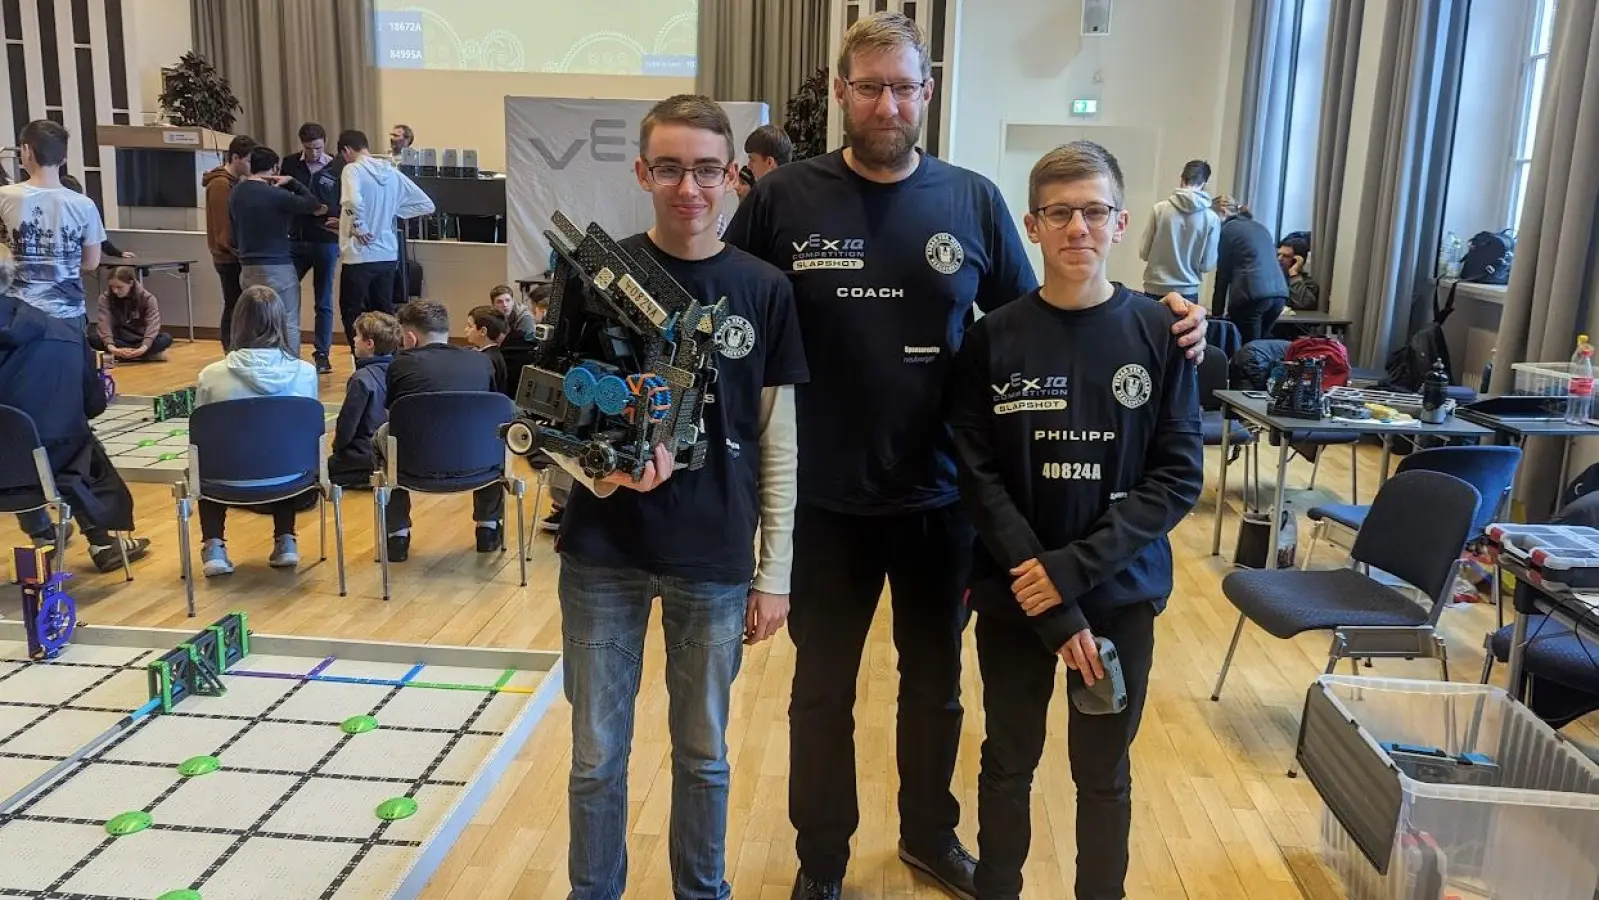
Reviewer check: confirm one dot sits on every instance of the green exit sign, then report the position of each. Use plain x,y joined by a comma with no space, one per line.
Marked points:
1085,107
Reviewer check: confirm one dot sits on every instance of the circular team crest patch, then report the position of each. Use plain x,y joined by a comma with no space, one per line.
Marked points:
944,253
736,338
1132,385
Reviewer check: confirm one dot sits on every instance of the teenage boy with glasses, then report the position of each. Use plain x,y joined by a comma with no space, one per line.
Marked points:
687,538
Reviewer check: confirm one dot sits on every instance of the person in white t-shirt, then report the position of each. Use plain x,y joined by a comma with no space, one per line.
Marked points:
53,231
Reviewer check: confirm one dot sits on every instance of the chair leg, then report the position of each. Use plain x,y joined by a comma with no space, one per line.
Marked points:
63,513
381,504
1315,537
322,527
538,503
187,566
1487,659
1227,663
521,527
338,533
122,547
1315,467
1498,593
1354,473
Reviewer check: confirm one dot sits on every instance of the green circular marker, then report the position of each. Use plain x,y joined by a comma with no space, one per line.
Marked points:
176,432
199,765
358,724
147,442
182,894
168,457
396,808
128,823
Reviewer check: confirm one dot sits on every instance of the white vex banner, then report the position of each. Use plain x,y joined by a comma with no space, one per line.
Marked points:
577,156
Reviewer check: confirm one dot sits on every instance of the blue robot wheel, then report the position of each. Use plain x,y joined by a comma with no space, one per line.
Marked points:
580,387
53,626
611,395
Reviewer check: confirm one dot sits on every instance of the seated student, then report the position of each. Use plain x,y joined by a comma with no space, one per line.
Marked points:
485,330
365,409
47,370
1072,499
429,364
518,318
1304,293
262,363
129,321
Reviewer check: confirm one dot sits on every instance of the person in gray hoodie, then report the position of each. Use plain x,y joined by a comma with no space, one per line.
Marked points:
262,363
373,194
1180,237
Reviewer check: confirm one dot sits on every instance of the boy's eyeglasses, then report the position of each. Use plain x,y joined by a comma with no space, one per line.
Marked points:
671,175
1059,215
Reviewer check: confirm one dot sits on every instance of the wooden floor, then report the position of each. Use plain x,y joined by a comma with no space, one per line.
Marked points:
1215,816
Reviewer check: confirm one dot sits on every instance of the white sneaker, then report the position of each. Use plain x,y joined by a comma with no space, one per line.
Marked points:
214,559
285,552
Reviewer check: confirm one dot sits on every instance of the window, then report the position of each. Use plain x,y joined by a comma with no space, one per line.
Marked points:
1533,74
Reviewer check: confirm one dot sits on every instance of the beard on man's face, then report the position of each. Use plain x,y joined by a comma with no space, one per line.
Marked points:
882,148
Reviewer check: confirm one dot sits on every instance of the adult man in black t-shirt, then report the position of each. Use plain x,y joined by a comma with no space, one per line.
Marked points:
686,538
888,249
1076,426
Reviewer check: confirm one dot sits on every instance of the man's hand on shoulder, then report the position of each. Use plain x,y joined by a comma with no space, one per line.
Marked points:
656,472
764,615
1191,329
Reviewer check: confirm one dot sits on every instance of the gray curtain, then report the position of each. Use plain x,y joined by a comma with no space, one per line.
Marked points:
1263,121
760,50
1407,169
294,61
1553,283
1332,152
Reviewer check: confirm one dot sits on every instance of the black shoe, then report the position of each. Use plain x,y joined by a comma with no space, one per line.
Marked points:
552,522
808,888
399,547
109,558
953,869
490,539
324,366
48,538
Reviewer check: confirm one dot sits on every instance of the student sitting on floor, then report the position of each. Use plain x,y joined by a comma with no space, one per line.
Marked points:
262,363
130,321
365,409
519,319
428,364
485,330
48,372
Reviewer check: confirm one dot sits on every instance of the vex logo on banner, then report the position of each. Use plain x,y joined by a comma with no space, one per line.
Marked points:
576,156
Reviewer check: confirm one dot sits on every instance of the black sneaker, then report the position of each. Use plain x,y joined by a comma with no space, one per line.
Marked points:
552,522
808,888
491,538
952,869
399,547
48,538
324,366
109,558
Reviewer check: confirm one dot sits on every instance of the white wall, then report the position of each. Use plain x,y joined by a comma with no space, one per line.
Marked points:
1490,93
160,33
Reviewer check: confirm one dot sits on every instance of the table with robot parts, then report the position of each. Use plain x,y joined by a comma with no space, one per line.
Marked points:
291,809
145,450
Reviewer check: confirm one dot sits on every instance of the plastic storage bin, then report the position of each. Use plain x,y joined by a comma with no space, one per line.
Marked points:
1510,811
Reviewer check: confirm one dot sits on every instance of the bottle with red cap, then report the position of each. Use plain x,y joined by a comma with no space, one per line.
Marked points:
1579,406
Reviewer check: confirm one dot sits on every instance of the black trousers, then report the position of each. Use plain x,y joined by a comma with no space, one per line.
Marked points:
1018,680
214,517
159,345
840,562
364,287
229,273
488,505
1255,317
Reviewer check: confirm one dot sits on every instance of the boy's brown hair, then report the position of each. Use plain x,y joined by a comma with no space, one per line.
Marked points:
692,110
489,319
1076,161
382,329
499,289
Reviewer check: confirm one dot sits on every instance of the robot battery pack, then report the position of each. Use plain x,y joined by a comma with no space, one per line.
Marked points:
1435,766
1108,695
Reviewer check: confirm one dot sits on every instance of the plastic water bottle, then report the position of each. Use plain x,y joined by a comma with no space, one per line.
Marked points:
1580,404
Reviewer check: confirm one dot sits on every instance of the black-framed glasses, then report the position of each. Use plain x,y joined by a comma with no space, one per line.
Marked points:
903,91
1059,215
671,174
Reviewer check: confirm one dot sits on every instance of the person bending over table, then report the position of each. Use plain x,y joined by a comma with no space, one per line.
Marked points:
129,321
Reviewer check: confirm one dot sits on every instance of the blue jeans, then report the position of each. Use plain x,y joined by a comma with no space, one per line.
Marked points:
604,615
322,259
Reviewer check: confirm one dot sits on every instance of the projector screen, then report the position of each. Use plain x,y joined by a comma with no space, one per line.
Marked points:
577,37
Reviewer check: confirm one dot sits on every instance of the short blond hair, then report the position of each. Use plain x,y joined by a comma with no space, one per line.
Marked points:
1076,161
883,32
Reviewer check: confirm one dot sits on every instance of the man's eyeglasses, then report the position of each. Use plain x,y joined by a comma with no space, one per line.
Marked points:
904,91
1059,215
671,175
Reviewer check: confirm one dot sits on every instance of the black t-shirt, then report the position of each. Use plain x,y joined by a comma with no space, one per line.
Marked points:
885,277
700,525
1079,441
438,367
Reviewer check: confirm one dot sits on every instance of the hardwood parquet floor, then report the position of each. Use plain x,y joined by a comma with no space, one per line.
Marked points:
1215,816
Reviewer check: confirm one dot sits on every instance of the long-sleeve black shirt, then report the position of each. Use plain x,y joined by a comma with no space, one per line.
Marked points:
1078,443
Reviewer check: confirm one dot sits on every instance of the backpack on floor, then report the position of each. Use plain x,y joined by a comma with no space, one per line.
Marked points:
1488,257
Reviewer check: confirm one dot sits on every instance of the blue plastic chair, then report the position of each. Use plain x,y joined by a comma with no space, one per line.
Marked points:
1489,469
275,442
28,484
446,442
